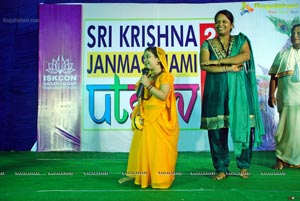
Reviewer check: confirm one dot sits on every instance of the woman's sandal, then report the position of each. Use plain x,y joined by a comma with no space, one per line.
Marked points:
219,176
125,179
244,173
294,166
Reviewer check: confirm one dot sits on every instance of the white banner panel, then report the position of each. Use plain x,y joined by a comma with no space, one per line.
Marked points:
114,36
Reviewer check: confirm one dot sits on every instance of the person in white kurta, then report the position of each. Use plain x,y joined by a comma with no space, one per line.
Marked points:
285,77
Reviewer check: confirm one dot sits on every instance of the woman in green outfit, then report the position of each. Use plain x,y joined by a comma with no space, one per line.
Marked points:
230,99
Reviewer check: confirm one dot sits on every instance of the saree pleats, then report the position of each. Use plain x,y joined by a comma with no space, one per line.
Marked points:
153,152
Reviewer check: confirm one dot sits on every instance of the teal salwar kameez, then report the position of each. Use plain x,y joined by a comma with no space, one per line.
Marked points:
230,103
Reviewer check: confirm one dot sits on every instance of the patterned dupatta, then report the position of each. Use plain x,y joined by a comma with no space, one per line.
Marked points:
240,122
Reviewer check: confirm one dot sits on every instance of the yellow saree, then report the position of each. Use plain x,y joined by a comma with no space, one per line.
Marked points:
153,151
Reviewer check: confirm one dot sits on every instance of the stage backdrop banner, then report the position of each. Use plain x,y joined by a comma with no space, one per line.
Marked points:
90,57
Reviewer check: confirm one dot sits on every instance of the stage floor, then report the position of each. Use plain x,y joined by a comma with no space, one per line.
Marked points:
66,176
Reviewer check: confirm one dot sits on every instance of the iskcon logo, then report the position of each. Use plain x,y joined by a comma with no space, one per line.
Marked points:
60,66
59,74
246,8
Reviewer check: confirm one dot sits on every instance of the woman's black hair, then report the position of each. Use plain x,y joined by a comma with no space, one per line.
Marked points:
227,13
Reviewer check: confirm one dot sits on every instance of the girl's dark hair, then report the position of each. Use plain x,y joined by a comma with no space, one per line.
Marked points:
152,50
227,13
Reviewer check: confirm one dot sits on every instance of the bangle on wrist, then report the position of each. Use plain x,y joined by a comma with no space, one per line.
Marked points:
149,87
